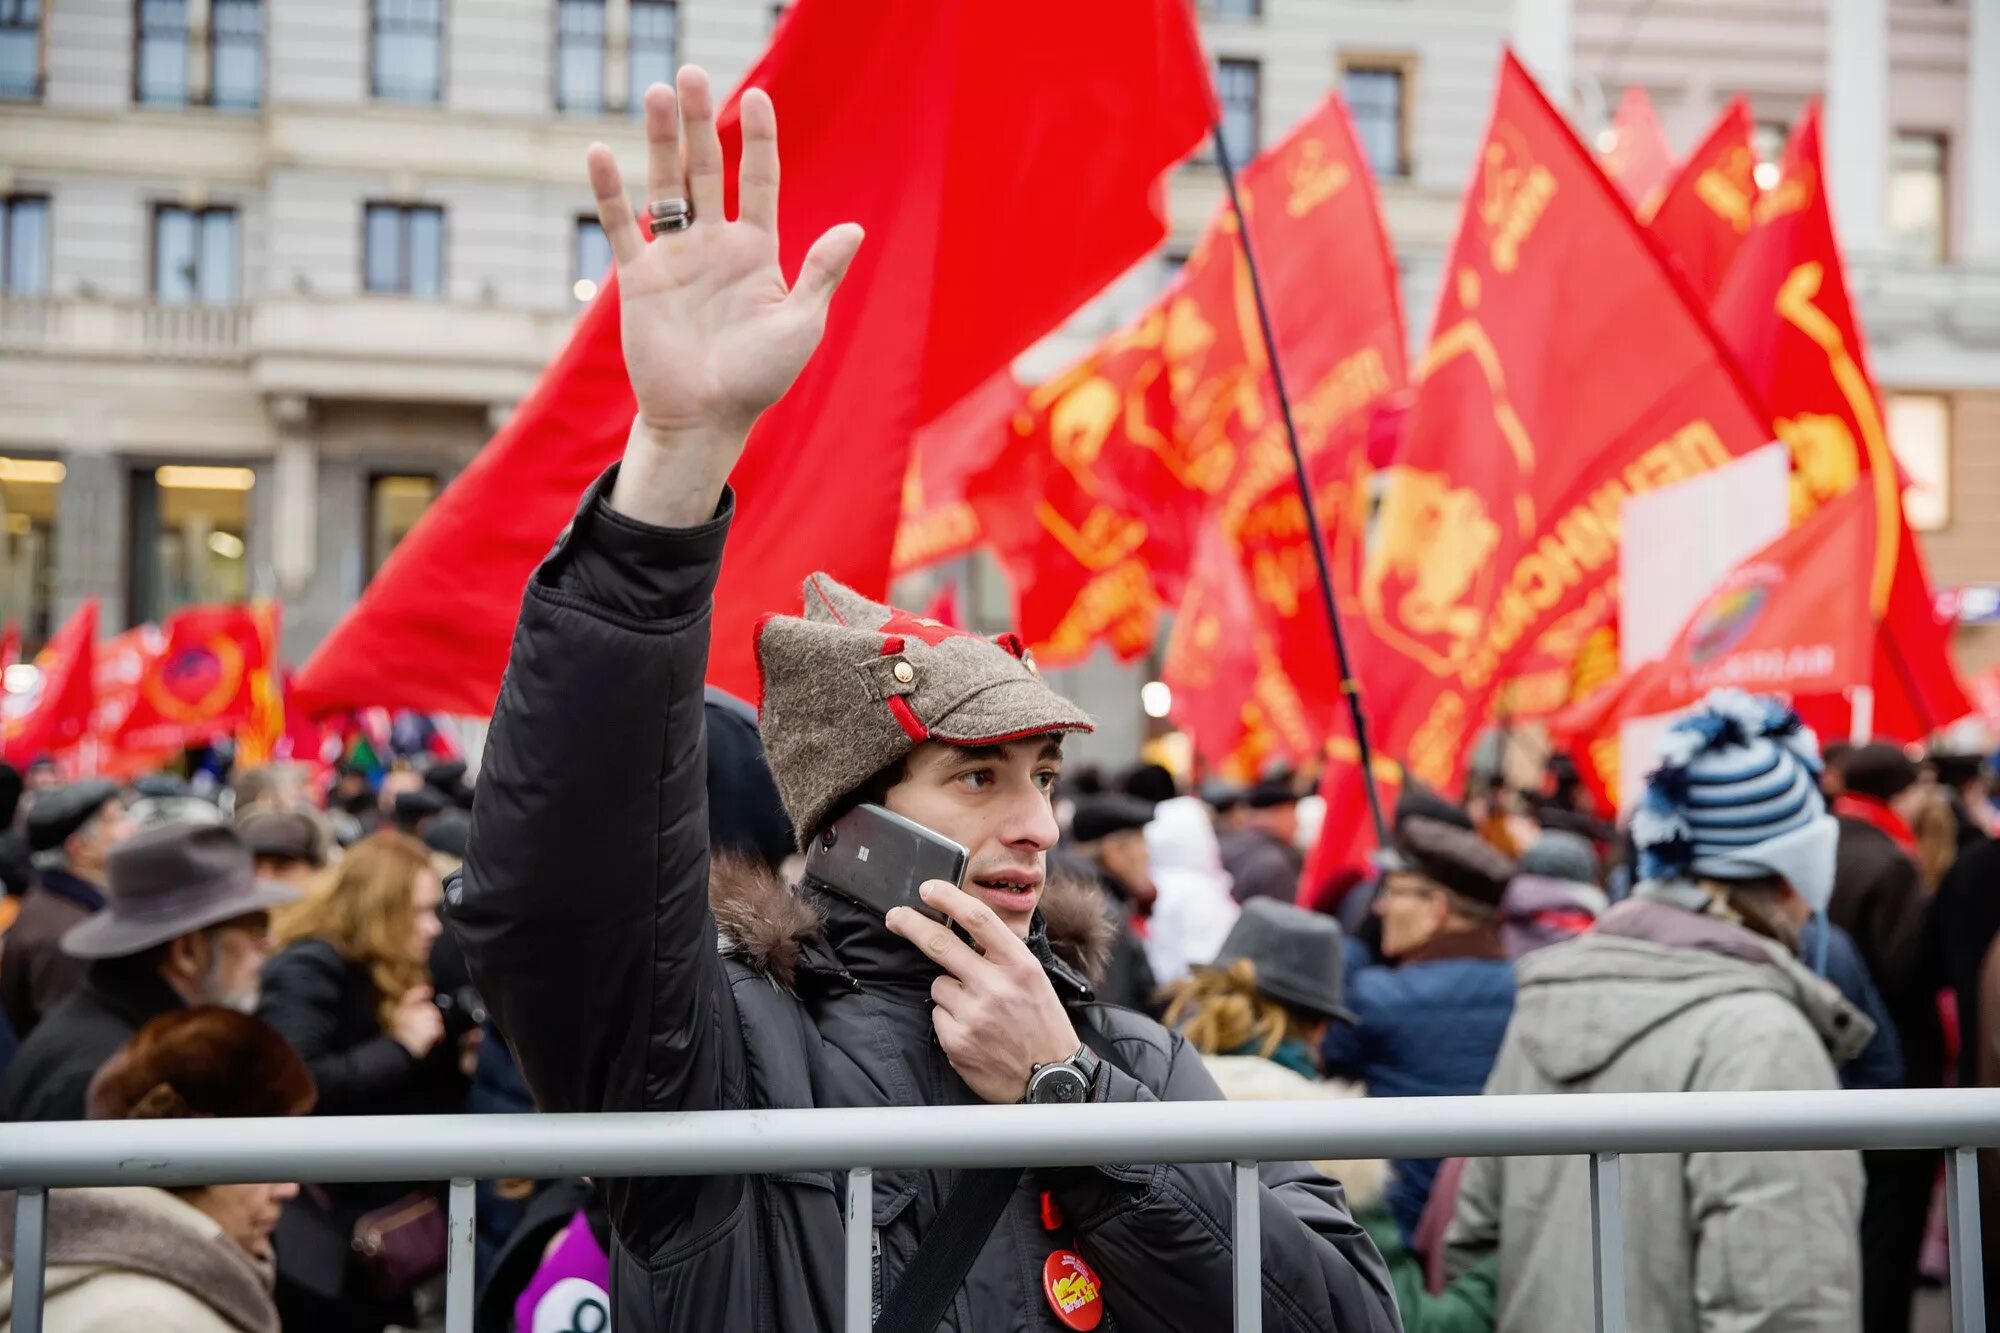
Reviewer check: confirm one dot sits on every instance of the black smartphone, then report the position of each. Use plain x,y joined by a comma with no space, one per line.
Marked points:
879,859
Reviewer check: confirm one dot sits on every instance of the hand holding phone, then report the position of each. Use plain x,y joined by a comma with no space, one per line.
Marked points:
879,859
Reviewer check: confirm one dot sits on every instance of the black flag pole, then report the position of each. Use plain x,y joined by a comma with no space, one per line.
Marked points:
1348,685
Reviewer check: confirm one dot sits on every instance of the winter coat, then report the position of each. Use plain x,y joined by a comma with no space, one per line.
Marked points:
1538,910
51,1073
139,1258
1661,1000
35,974
1965,920
626,981
1193,907
1986,1074
325,1007
1880,1063
1427,1028
1878,898
1262,866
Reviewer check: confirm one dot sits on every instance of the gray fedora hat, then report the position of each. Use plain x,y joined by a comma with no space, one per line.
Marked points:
1297,955
171,881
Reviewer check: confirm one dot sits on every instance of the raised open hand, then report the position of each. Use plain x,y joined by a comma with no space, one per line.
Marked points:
711,335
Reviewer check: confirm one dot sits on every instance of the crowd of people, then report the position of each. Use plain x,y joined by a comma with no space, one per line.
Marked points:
616,916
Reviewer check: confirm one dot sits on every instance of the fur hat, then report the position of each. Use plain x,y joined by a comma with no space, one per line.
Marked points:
201,1063
1880,770
854,685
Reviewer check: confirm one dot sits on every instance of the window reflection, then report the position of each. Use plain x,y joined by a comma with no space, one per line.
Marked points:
395,503
190,533
30,491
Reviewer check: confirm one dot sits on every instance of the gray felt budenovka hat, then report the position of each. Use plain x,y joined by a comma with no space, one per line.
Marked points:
854,685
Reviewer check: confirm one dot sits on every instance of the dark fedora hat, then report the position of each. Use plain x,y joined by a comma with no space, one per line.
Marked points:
1296,953
172,881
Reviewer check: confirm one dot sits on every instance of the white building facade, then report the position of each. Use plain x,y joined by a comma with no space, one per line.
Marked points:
271,271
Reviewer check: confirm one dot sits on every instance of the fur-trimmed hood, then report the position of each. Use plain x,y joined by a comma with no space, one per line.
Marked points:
772,927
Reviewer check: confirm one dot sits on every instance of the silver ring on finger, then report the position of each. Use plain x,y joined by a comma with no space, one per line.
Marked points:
665,215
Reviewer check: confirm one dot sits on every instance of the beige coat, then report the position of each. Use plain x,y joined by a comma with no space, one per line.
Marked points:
1762,1242
122,1260
1252,1078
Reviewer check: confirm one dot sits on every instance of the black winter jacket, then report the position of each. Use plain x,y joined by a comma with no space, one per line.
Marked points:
50,1075
585,911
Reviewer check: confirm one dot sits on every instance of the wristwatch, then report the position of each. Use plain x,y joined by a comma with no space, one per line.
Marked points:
1063,1082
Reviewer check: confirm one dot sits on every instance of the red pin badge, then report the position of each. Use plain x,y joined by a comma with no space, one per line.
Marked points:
1073,1290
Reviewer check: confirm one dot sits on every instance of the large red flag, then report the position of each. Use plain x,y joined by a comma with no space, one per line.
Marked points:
1784,310
1254,589
1121,464
1636,154
1707,209
1542,410
203,682
10,645
55,717
1005,161
938,520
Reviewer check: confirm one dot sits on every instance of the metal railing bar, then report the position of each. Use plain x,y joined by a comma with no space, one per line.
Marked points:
1607,1242
860,1254
1968,1275
459,1261
1247,1251
31,1249
195,1152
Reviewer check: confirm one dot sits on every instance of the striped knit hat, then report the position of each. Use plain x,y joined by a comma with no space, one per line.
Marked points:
1736,796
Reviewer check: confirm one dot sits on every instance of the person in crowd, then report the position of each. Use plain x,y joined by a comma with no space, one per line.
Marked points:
186,923
266,787
587,886
1833,771
1107,847
1258,1016
1880,900
290,845
1962,777
192,1260
1690,985
1193,907
350,989
413,812
1151,783
1554,896
160,810
17,871
1431,1024
446,777
71,831
1965,921
1982,1043
1935,825
1263,857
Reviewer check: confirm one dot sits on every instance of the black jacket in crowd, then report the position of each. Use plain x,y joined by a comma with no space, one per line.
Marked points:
51,1073
585,910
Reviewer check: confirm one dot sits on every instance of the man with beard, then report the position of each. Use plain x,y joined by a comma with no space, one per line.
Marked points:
186,923
628,978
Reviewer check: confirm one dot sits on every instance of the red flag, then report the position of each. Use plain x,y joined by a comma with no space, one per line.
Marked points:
1708,208
944,607
10,645
1635,152
1539,415
1792,619
55,716
1784,310
1005,161
938,520
259,736
203,682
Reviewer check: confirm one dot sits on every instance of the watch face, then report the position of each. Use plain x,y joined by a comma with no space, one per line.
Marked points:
1059,1085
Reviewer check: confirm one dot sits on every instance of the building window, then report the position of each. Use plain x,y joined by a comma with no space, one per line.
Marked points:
403,249
395,502
580,55
190,526
194,256
162,69
30,489
1239,88
1377,93
1916,197
408,50
1920,437
591,254
236,53
24,245
655,39
21,49
1233,9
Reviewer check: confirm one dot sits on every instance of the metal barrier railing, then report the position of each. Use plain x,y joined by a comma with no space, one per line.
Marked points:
36,1158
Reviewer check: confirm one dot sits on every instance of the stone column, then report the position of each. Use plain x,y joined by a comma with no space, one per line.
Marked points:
618,93
294,498
1856,145
92,537
1542,38
1979,237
